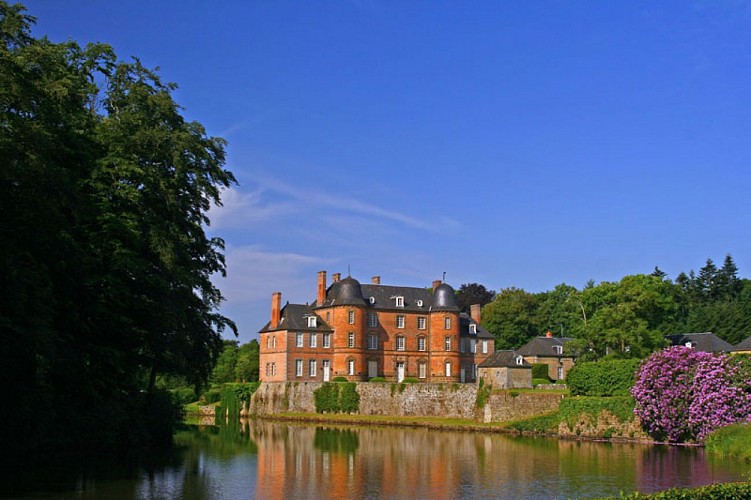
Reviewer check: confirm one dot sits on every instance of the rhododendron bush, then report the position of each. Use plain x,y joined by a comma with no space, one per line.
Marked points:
683,395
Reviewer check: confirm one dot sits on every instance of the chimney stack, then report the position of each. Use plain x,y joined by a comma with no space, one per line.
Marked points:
321,287
336,277
436,284
376,280
549,334
474,312
276,309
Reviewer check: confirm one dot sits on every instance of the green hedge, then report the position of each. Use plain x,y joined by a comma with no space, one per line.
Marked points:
540,370
602,378
721,491
337,398
211,396
538,381
377,379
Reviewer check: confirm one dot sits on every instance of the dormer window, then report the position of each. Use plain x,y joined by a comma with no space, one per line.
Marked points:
558,349
400,301
519,360
372,300
312,322
473,329
419,303
690,344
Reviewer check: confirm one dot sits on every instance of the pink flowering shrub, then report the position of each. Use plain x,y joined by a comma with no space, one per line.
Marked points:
682,395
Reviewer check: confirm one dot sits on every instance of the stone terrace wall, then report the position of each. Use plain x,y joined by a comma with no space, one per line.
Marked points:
514,406
408,400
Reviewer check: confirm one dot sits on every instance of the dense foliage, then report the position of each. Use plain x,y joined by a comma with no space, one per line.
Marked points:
613,377
628,318
470,294
540,371
683,395
572,410
236,363
233,396
104,264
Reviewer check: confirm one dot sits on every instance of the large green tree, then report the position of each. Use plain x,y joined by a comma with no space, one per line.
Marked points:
512,317
470,294
104,263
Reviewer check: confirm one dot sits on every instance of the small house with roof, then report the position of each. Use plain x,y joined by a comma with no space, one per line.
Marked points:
743,347
550,351
506,369
704,342
360,331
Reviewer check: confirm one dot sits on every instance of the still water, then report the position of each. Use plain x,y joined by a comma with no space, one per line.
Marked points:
273,460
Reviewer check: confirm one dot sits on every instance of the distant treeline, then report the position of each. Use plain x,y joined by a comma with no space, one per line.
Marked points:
630,317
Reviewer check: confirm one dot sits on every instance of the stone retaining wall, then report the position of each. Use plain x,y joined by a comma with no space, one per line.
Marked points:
408,400
507,406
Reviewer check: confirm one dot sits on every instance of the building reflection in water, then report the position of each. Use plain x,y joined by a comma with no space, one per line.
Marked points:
296,461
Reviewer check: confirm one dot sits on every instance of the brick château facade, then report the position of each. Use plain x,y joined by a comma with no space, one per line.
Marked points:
364,331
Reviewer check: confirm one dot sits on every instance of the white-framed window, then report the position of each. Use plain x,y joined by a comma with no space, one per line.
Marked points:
560,373
351,317
350,367
351,339
420,343
448,368
312,367
268,369
373,341
326,340
313,340
299,339
400,343
473,328
421,322
558,349
268,343
273,369
400,301
484,346
312,322
473,346
372,320
298,367
400,321
422,369
273,342
447,343
447,323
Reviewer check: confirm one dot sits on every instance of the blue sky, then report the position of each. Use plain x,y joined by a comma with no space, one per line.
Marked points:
521,144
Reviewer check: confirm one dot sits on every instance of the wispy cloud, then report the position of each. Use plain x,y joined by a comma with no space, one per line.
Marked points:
254,273
242,208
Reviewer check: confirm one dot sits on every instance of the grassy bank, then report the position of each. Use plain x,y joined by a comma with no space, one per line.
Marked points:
733,441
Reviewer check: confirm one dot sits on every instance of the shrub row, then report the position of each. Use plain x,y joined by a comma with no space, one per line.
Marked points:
722,491
337,398
602,378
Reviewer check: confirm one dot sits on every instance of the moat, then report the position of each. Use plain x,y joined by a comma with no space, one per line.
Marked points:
257,459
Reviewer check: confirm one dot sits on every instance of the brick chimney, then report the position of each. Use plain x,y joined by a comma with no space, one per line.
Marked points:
276,309
376,280
336,277
436,283
474,312
549,334
321,287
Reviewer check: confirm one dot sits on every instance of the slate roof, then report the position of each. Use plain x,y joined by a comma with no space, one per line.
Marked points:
465,320
704,342
744,345
504,359
295,317
350,292
544,346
